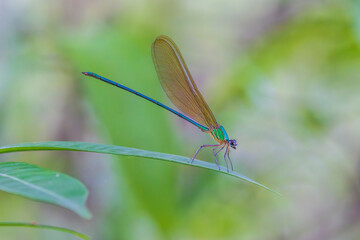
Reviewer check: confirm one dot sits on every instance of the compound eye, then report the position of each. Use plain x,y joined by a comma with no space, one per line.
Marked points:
233,143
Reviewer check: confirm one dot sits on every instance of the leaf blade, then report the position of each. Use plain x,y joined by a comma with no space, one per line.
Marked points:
123,151
44,185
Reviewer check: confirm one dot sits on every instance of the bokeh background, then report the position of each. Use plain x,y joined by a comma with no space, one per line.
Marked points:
281,76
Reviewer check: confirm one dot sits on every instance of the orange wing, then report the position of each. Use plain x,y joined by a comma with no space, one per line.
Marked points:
177,82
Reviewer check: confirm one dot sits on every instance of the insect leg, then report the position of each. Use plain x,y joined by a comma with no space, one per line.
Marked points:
217,163
228,155
192,160
226,151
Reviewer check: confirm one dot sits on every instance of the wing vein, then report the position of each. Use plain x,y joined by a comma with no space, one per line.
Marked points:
177,82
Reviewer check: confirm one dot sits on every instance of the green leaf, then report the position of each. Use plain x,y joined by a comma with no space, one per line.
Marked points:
124,151
40,226
44,185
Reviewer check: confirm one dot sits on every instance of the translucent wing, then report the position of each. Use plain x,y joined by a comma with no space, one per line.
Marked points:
177,82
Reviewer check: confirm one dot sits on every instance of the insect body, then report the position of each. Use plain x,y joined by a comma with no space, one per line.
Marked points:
181,89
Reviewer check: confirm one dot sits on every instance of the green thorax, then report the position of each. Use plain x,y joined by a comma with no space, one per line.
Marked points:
219,133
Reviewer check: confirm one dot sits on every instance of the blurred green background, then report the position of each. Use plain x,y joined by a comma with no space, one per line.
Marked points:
281,76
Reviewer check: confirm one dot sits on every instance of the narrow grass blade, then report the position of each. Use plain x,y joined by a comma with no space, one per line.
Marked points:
40,226
124,151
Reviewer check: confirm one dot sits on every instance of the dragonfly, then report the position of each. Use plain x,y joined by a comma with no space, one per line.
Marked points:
182,91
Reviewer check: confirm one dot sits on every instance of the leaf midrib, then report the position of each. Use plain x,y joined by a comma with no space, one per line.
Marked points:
56,196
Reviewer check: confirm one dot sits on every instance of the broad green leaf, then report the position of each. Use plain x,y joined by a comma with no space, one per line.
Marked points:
40,226
124,151
44,185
